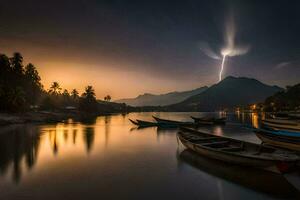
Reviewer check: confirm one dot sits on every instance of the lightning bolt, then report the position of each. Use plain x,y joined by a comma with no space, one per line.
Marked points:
222,67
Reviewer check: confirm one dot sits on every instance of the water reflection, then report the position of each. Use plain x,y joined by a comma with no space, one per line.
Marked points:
18,147
263,181
88,137
95,156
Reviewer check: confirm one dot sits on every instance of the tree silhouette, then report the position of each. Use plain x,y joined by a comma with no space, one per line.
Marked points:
107,98
55,88
16,97
33,84
17,64
74,94
89,93
88,100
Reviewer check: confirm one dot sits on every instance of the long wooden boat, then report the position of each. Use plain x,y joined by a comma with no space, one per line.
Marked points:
142,123
284,124
238,152
279,138
209,121
134,122
167,122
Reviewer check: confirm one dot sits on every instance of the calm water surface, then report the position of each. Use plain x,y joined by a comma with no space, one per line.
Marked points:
109,158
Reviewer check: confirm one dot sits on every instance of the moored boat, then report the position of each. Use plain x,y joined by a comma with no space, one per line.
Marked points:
171,123
238,152
134,122
283,124
142,123
209,120
280,138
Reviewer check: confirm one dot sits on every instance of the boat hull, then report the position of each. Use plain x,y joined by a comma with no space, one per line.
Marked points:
283,142
171,123
280,124
233,159
209,121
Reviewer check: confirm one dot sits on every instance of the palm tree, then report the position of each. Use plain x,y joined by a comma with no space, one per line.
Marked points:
88,101
65,93
55,88
74,94
89,93
107,98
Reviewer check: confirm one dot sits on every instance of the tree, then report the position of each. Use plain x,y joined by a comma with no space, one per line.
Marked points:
16,99
32,75
89,93
17,64
74,94
5,81
66,93
88,101
4,68
107,98
66,98
55,88
33,86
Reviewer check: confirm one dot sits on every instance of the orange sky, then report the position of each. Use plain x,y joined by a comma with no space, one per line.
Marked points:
106,77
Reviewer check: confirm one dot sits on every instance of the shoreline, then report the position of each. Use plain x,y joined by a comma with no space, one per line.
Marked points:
43,117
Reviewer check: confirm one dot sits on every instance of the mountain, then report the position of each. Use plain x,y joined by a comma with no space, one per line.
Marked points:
288,99
162,99
228,93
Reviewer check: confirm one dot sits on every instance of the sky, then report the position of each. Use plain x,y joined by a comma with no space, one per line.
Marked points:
126,48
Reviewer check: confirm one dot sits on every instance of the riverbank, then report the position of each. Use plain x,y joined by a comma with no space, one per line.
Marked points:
40,117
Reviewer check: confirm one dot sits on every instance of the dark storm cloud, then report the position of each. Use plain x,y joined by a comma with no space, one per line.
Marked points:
160,38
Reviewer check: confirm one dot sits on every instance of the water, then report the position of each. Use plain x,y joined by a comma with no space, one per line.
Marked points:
108,158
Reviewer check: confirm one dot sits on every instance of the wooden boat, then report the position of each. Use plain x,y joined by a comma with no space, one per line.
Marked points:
279,138
283,124
209,121
238,152
134,122
252,178
142,123
171,123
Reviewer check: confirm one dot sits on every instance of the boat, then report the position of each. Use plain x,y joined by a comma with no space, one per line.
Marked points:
279,138
238,152
134,122
209,120
171,123
283,124
249,177
142,123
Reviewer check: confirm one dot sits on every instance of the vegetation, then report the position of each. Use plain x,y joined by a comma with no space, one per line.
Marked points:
288,99
107,98
20,86
21,90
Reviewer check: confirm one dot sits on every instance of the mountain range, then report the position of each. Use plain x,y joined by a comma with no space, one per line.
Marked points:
162,99
228,93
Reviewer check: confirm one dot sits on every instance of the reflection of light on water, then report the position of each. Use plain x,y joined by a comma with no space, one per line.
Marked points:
218,130
238,113
263,115
222,114
254,120
243,117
